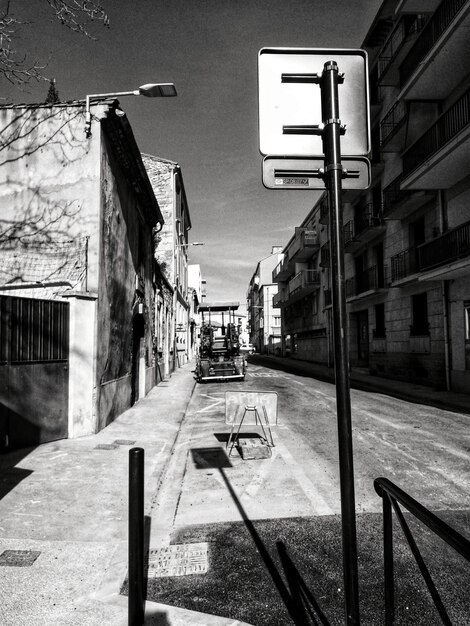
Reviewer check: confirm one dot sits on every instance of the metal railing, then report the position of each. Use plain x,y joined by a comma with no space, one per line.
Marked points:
404,264
280,267
449,124
325,255
303,280
393,195
434,29
450,246
407,25
394,119
392,496
367,280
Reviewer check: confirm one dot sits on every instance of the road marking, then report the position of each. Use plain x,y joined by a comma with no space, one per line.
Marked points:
320,505
210,406
383,420
265,375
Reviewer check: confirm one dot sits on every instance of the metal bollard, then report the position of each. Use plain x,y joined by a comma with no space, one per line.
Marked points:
136,599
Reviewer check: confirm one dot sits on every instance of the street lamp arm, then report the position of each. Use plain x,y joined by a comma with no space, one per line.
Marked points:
150,90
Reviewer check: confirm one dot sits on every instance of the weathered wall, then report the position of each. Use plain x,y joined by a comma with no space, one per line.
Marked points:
49,179
124,312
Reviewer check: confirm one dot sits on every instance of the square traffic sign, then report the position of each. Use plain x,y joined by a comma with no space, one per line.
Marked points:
296,100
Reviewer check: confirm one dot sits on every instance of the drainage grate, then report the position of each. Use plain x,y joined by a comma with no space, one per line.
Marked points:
124,442
18,558
178,560
106,446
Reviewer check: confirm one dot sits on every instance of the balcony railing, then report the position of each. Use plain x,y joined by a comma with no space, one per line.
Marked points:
281,271
450,246
305,244
359,230
404,264
368,218
431,33
452,122
393,121
348,233
325,255
324,211
408,25
370,279
305,279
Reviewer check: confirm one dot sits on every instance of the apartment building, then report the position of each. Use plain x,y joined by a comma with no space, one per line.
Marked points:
263,318
407,237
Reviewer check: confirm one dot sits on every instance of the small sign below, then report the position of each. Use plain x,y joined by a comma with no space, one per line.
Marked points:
301,173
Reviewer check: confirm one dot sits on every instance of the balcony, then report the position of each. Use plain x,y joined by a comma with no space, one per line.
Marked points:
448,255
303,283
324,211
282,271
325,255
399,203
439,158
393,128
404,265
305,245
431,69
397,46
370,281
279,299
365,227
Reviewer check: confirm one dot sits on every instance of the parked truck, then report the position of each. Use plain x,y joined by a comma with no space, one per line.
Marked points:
219,356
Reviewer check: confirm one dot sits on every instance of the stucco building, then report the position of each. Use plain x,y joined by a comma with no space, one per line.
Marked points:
406,238
263,320
78,217
172,250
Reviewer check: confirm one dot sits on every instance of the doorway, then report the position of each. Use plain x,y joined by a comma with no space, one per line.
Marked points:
138,327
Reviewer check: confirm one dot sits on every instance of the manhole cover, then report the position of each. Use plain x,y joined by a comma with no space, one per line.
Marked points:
106,446
178,560
18,558
124,442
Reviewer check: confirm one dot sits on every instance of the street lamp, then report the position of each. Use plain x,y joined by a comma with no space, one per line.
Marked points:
150,90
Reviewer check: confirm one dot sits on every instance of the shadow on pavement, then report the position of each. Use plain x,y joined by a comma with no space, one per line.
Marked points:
11,476
297,598
303,600
300,603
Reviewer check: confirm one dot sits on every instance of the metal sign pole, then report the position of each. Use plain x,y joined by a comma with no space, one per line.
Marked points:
333,173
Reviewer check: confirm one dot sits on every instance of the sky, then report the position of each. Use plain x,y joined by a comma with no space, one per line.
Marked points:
209,49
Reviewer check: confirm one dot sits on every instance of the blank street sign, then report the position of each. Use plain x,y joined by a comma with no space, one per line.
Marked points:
290,99
300,173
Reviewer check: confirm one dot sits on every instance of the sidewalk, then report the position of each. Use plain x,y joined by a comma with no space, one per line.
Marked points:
411,392
64,510
64,518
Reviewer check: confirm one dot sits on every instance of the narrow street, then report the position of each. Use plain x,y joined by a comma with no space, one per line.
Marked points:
285,509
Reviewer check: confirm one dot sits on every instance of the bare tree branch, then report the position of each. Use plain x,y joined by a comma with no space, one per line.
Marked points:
75,15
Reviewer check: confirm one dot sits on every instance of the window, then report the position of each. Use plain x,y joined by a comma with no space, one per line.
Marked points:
420,325
277,320
379,331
